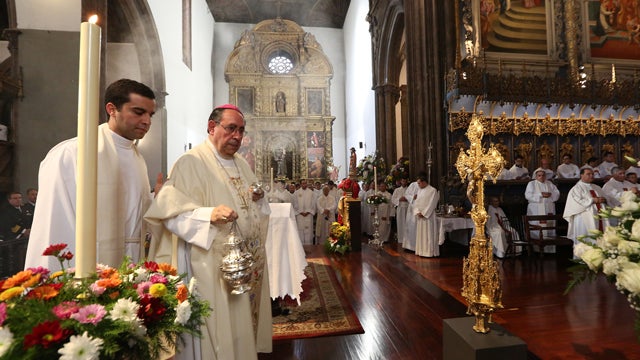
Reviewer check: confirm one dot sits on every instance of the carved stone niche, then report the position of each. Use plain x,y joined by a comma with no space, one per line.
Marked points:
280,78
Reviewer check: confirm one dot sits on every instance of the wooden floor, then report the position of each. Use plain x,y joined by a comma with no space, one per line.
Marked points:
401,301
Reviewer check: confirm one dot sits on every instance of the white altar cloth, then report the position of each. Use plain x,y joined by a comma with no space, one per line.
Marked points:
449,224
285,255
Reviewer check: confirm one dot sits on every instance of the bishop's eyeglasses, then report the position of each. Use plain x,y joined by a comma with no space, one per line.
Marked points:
231,129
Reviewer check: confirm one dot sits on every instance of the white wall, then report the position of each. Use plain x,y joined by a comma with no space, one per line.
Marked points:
331,40
62,15
358,93
189,99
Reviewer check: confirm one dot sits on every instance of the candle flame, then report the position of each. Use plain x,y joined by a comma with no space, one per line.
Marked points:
93,19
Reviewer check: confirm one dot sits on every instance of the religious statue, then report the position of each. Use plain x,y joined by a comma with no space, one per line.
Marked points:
566,148
524,149
280,157
353,162
281,102
608,147
545,151
503,149
587,151
481,283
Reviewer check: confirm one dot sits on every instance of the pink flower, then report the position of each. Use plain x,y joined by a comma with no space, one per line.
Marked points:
3,313
97,289
39,270
157,278
143,288
65,309
90,314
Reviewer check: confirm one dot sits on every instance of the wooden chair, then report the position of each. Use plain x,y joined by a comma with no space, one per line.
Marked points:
536,228
514,238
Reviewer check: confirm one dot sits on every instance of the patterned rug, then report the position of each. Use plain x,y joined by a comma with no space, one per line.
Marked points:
323,311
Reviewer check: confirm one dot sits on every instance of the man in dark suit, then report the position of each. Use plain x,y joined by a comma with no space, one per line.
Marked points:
29,207
12,222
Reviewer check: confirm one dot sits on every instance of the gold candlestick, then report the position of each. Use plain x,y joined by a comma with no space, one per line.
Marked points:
481,284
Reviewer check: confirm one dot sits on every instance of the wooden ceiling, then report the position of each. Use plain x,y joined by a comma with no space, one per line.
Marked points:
316,13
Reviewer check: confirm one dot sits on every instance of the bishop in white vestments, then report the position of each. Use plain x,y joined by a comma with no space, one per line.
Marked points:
208,189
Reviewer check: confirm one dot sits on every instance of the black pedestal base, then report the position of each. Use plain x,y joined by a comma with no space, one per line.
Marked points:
461,342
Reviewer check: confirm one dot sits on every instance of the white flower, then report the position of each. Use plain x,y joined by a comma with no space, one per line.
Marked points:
579,249
628,247
125,310
628,200
611,237
610,266
618,212
183,312
635,230
593,257
81,347
141,274
629,279
6,338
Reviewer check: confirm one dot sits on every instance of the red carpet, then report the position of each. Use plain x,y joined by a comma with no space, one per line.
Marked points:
323,311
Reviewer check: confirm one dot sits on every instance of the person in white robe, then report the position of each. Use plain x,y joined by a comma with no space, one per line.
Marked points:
614,188
568,170
279,194
401,203
583,202
326,210
304,204
542,195
632,178
592,164
409,240
124,192
607,164
365,212
495,227
209,192
518,171
384,212
545,164
424,210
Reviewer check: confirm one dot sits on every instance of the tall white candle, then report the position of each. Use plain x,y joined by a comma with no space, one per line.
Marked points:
375,179
271,179
87,171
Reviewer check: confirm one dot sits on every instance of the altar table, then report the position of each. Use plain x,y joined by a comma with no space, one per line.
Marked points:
449,224
285,255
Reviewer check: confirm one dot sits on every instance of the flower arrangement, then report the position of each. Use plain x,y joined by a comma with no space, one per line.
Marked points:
339,240
364,169
136,311
399,170
614,252
376,199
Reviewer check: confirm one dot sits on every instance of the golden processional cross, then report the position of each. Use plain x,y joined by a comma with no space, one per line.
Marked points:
480,282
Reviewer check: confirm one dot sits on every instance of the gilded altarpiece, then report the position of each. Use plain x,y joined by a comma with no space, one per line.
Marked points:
280,77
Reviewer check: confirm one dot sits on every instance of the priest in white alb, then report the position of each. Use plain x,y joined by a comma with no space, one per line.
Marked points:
584,201
326,210
424,211
400,202
542,195
124,192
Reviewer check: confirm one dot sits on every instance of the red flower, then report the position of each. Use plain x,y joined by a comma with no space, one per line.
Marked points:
151,309
54,249
46,334
151,266
67,255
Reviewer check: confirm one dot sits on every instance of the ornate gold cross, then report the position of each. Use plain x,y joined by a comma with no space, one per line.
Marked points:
481,284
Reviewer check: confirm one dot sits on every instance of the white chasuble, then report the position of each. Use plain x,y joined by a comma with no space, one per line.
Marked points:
240,325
